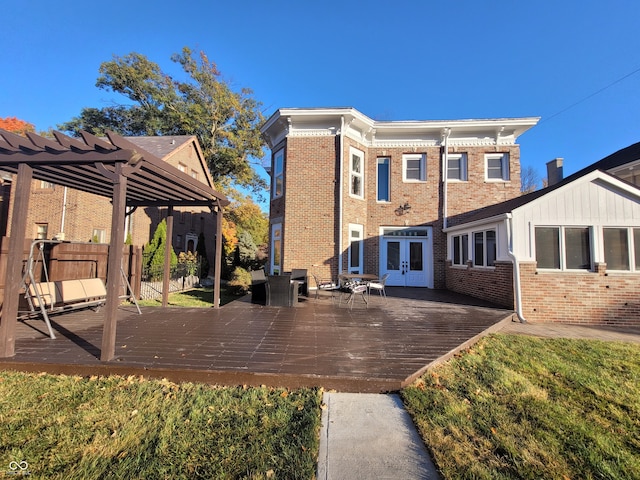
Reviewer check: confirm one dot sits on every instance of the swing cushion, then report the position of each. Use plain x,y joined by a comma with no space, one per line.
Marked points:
48,292
83,292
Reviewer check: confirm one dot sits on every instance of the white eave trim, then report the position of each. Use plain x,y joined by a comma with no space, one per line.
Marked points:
471,225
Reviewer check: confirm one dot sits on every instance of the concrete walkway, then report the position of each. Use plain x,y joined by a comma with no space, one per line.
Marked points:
370,436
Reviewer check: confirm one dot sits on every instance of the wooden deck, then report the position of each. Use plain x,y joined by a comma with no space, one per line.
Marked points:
317,343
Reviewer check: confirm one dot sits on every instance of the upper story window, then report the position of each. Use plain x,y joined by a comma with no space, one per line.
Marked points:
278,174
356,173
384,180
194,174
457,166
563,248
182,167
414,167
44,185
497,167
622,248
484,248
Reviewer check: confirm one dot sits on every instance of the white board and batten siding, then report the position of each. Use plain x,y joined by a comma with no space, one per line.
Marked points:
596,200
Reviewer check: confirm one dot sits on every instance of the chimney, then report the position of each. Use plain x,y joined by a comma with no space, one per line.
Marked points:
554,171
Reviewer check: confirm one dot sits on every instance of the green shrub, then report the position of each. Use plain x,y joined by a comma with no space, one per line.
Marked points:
240,281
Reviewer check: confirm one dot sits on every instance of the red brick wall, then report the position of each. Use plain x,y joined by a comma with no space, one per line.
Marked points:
310,193
596,298
308,209
491,284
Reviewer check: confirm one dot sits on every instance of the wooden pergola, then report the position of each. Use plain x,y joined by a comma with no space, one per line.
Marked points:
113,167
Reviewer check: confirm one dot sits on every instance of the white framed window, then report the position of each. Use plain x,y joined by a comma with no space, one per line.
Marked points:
497,167
563,248
460,249
383,193
621,248
484,248
182,167
356,173
44,185
194,174
42,230
414,167
457,167
99,235
278,174
356,236
276,248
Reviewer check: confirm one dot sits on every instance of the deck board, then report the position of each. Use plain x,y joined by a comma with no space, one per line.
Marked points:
316,343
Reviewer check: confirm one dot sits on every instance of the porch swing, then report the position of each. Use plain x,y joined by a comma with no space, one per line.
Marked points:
45,298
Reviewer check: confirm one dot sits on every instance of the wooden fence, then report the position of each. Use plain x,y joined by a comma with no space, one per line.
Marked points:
69,261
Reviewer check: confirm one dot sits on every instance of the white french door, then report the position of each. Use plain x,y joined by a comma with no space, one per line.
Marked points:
406,254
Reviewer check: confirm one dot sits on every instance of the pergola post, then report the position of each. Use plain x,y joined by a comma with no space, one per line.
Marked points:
167,258
114,265
218,258
9,315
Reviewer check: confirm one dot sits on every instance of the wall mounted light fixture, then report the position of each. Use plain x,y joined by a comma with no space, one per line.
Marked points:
402,209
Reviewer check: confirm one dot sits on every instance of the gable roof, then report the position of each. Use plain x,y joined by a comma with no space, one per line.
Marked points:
621,157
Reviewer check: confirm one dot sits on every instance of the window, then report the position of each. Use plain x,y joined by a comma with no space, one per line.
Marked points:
618,248
460,249
98,235
384,177
44,185
356,173
548,247
497,166
457,166
563,248
194,174
414,167
278,173
182,167
355,248
41,231
484,250
178,241
276,253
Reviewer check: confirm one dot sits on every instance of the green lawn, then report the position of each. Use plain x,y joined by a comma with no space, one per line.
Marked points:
195,298
114,427
519,407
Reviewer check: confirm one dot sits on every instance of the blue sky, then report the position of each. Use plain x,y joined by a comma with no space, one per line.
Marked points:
563,60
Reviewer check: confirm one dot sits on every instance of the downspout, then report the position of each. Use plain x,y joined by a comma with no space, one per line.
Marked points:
516,269
64,210
340,194
445,166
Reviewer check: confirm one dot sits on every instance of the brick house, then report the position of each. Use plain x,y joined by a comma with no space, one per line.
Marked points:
575,246
352,194
73,215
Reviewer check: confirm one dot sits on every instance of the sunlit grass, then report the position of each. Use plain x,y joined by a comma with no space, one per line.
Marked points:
115,427
520,407
194,298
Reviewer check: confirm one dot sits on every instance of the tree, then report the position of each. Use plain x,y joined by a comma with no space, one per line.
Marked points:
226,122
15,125
248,217
529,180
154,251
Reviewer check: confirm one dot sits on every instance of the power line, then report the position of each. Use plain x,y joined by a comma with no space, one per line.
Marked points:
589,96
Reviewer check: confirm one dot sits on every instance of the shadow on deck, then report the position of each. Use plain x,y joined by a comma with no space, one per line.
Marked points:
317,343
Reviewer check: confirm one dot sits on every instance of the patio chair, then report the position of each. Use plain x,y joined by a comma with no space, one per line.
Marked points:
379,286
325,284
281,291
258,287
357,290
300,274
